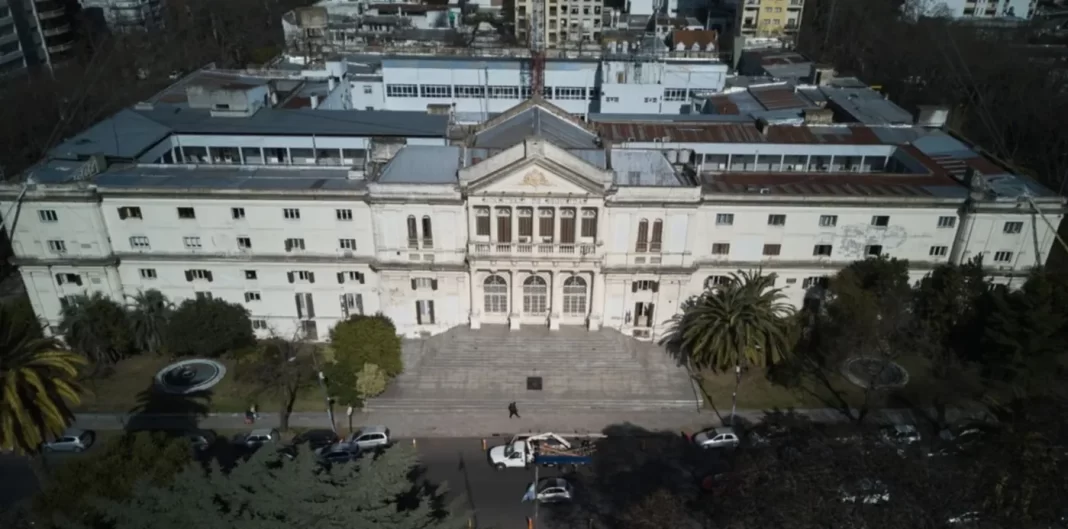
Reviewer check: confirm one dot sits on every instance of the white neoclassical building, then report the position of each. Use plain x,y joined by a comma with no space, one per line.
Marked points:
534,218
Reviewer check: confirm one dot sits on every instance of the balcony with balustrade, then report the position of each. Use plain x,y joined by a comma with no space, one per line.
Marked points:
528,251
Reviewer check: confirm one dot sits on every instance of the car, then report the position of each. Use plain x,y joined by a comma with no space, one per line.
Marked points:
370,437
72,440
550,490
339,453
723,437
256,438
200,440
866,491
317,439
904,434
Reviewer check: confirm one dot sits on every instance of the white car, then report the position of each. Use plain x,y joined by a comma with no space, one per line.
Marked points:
716,438
905,434
550,490
370,437
72,440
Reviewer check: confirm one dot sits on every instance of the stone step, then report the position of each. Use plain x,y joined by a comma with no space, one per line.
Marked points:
417,405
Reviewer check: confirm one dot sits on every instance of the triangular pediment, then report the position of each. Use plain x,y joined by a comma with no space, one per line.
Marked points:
536,167
535,118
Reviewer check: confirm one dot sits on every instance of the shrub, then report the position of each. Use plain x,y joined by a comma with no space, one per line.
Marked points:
208,327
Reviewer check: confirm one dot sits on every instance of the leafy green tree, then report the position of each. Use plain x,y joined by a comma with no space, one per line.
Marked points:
270,492
738,325
280,368
358,341
948,305
20,313
208,327
97,327
112,471
149,313
38,384
1025,330
371,381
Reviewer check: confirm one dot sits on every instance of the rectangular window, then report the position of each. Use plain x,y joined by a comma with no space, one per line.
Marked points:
259,325
147,273
772,249
810,282
547,224
721,248
1013,227
343,214
303,275
237,213
250,274
428,233
873,250
413,232
1002,257
57,246
776,220
435,90
47,215
244,243
292,245
822,250
305,305
291,213
187,213
674,94
191,275
424,283
402,90
424,312
204,295
252,296
725,219
589,222
947,222
470,91
504,225
651,286
129,212
567,226
356,277
828,221
880,221
571,92
526,224
139,242
191,243
347,244
504,92
938,251
351,304
74,279
482,222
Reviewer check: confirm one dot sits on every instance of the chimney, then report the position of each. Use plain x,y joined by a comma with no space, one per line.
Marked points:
314,101
330,84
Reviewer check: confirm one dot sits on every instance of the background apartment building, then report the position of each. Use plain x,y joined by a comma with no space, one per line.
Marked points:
34,33
964,9
124,15
566,22
768,18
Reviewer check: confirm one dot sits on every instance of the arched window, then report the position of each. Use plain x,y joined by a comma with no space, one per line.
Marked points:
658,236
495,294
575,296
535,296
643,237
428,233
413,232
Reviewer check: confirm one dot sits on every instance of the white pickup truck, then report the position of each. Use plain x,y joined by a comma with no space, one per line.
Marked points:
546,449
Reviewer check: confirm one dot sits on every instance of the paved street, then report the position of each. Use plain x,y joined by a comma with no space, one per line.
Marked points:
493,497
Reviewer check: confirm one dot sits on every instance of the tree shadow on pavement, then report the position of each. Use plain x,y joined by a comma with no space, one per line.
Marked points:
158,410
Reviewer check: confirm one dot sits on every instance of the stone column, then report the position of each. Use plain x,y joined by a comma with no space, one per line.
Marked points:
556,300
596,301
516,301
476,297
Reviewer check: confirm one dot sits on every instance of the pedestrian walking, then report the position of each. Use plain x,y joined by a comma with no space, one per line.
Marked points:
513,411
250,415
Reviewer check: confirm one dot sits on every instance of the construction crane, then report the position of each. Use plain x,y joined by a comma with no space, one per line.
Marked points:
536,44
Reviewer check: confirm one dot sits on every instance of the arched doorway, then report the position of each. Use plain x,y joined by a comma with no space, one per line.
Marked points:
535,296
575,293
495,295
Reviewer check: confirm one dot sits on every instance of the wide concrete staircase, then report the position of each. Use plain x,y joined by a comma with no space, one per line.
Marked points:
488,368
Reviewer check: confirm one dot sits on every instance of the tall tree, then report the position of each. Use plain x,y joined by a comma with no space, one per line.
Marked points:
280,368
149,313
97,327
39,387
359,341
112,472
208,327
741,324
277,493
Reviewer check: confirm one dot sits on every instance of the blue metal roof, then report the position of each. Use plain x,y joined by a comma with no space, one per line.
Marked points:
422,164
124,135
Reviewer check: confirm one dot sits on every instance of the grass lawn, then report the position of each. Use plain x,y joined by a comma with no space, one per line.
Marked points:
757,392
119,390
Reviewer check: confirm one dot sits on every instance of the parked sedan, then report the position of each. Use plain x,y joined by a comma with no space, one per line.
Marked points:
716,438
370,437
256,438
550,490
72,440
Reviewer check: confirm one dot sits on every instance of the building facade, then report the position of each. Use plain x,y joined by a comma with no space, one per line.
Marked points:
973,9
125,15
34,33
533,218
768,18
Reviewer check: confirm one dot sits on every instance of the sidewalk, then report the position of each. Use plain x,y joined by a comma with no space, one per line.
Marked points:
481,423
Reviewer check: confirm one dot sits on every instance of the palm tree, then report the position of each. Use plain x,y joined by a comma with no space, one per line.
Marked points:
743,323
38,386
97,327
149,313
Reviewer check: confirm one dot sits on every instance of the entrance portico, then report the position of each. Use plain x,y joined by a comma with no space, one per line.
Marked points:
537,296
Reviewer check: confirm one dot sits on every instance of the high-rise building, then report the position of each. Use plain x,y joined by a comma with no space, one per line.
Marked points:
768,18
124,15
567,22
34,33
